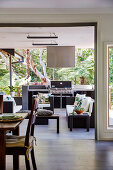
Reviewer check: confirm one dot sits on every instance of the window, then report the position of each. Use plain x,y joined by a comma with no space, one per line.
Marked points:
110,86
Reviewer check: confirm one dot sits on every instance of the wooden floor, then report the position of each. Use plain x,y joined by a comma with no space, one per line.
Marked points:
76,150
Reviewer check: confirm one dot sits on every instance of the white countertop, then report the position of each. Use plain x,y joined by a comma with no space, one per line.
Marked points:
39,90
83,89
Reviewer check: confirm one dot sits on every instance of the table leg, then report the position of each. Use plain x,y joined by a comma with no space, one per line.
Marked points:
15,162
71,123
2,150
88,123
16,157
58,125
16,131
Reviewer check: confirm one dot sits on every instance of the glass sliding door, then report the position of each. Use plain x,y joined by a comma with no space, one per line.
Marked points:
110,86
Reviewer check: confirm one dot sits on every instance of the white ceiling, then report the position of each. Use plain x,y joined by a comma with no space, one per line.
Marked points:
81,37
56,3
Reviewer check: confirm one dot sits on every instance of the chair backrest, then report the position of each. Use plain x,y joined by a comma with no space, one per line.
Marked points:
31,123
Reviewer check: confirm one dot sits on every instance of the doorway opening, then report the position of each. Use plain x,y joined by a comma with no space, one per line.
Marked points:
69,34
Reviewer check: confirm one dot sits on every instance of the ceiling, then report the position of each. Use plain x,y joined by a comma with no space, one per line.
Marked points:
80,37
56,3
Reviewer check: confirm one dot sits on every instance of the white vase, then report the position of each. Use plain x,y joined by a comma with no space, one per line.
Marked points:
12,93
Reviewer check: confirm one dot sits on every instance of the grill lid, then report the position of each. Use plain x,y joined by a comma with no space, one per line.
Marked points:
61,84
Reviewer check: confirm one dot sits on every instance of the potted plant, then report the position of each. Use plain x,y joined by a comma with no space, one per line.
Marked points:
12,93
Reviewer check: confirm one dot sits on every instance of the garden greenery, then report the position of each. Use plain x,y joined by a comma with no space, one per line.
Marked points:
84,67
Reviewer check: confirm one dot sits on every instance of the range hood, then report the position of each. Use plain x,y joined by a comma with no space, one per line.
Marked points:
60,56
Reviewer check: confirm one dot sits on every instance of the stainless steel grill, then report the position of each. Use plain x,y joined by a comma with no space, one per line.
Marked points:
61,90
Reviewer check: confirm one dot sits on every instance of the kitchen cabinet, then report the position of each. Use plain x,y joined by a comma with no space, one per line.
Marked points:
60,99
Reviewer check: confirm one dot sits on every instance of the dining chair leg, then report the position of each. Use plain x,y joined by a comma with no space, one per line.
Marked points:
15,162
33,159
27,163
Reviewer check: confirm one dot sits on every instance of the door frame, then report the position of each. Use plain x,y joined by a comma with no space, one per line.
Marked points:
107,128
76,24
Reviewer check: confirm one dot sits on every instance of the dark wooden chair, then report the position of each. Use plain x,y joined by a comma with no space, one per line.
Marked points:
22,145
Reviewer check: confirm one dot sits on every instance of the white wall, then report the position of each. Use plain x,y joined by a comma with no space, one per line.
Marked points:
104,32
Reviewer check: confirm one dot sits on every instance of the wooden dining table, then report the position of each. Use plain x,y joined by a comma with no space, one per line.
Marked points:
4,129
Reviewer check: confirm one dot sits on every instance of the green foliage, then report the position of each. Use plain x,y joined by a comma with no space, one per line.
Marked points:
83,54
84,67
4,80
111,74
84,62
12,88
3,72
35,56
5,90
111,66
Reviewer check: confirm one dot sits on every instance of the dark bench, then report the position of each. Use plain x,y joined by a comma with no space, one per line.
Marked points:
77,123
9,107
54,116
84,116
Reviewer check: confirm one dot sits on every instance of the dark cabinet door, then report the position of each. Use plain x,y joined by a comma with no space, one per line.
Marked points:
30,100
60,101
63,101
57,101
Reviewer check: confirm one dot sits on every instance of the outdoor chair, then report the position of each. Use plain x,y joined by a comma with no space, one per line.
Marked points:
22,145
79,123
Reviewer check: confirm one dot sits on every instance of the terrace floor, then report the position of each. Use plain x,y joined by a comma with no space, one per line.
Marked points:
76,150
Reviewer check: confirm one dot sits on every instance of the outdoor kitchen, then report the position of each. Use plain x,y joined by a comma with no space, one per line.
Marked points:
61,90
